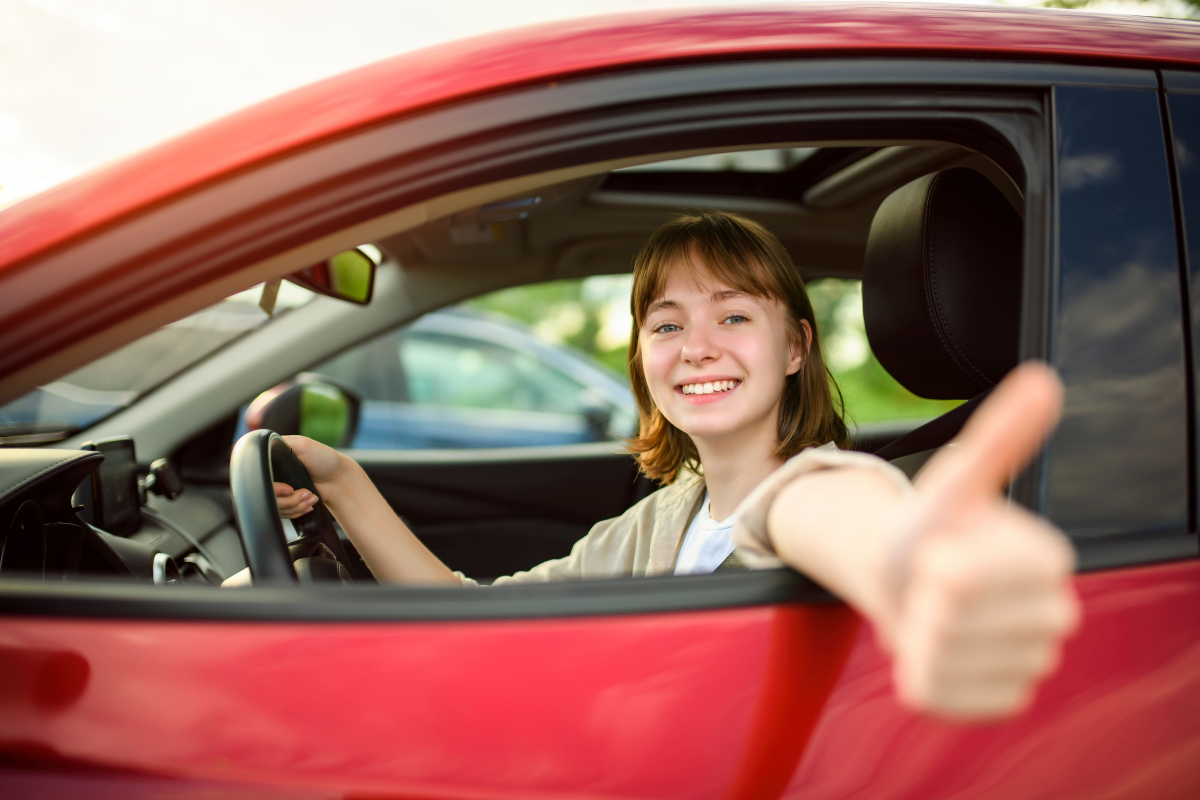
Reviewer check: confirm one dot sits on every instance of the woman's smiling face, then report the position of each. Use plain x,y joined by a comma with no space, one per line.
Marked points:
715,359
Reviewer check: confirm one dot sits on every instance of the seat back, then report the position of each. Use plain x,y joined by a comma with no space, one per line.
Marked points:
942,295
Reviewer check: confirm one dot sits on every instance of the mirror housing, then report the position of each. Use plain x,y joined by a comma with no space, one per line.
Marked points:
309,405
349,276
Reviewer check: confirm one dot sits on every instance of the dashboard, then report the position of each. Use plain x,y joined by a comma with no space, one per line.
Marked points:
85,514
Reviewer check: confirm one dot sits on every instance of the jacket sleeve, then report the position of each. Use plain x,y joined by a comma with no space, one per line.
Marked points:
750,531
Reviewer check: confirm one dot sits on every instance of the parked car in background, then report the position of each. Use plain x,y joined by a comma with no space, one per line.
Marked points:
463,379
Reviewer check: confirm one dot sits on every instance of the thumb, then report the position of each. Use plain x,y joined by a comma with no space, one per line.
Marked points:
996,443
283,490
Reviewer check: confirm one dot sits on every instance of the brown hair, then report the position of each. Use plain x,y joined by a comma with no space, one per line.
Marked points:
747,257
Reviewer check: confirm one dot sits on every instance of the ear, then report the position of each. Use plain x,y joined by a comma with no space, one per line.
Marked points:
800,346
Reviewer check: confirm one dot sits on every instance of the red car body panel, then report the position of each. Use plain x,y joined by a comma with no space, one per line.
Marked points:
1120,718
704,704
713,704
556,51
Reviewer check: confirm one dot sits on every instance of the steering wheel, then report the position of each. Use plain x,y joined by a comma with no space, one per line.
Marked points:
259,459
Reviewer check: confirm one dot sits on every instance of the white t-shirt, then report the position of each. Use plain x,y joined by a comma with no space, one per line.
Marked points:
706,544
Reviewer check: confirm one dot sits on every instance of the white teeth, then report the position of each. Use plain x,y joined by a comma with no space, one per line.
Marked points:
708,387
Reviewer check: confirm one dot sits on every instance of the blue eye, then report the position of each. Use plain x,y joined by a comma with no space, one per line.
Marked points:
667,327
736,319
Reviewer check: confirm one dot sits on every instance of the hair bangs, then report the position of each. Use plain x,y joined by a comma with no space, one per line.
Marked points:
738,261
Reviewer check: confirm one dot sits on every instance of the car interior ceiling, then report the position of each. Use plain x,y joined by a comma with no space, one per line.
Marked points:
821,209
826,209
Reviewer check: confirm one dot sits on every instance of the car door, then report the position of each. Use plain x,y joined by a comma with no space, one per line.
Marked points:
1119,718
742,685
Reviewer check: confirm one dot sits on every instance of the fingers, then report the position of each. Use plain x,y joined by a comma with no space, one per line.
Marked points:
322,463
984,617
292,504
999,439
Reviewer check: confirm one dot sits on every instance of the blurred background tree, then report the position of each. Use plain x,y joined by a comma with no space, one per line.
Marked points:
870,393
1180,9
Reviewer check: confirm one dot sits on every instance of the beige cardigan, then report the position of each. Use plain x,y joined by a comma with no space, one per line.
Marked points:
645,540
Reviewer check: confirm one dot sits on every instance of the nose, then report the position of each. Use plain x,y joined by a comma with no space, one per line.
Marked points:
699,346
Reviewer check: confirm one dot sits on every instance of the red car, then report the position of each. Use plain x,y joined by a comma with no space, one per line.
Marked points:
1044,170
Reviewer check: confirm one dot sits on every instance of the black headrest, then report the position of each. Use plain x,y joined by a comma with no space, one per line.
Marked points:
942,285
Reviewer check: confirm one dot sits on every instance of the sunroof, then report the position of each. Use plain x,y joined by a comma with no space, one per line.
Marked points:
776,174
742,161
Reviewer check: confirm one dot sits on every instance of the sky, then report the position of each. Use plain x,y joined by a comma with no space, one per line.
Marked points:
83,82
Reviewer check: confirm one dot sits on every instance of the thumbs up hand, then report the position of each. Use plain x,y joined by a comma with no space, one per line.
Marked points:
971,593
982,592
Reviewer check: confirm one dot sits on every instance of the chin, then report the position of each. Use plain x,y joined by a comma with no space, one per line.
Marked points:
709,426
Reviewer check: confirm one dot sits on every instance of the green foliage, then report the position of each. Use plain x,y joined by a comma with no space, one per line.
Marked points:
870,393
1181,9
575,313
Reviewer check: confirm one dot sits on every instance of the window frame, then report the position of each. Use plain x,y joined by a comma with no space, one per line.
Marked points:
1001,108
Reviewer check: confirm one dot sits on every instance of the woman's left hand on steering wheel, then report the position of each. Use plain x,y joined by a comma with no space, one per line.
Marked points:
325,466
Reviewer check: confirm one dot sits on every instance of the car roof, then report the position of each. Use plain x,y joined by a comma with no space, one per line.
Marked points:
554,51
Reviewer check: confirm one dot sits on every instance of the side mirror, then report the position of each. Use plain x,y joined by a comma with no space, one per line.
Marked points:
309,405
348,276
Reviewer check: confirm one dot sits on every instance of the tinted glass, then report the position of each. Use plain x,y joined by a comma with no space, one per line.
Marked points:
1118,462
1185,126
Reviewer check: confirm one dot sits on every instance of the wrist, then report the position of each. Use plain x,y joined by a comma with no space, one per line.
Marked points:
835,525
341,484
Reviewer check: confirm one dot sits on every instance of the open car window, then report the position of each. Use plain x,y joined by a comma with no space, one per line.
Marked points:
545,364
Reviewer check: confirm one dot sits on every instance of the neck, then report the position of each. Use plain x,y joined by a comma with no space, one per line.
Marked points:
734,465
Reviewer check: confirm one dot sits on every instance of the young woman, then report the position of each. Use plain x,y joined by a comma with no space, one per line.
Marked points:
737,418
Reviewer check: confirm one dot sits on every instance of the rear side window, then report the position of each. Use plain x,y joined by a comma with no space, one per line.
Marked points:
1118,461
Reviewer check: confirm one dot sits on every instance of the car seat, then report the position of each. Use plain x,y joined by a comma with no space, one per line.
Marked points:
942,298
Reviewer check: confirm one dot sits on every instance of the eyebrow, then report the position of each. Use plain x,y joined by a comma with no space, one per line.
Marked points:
725,294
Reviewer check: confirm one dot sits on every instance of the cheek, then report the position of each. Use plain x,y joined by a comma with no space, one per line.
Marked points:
657,362
763,357
755,353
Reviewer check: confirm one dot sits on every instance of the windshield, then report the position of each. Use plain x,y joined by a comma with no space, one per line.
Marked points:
76,401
